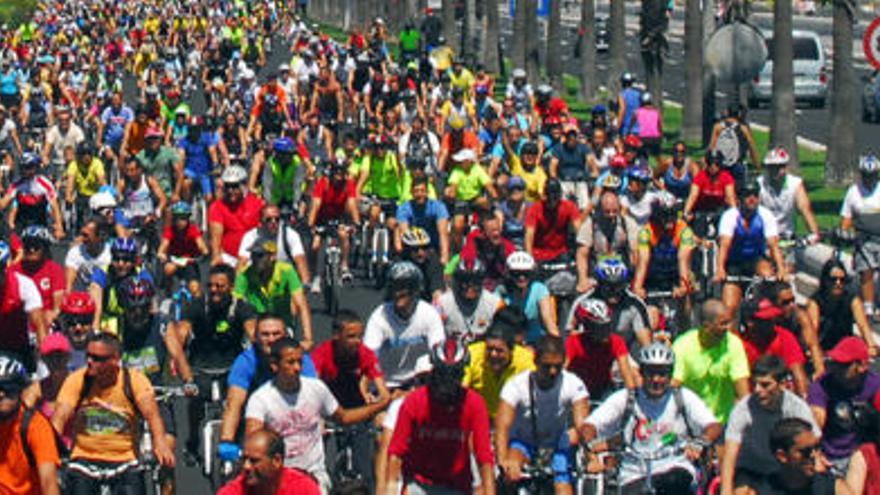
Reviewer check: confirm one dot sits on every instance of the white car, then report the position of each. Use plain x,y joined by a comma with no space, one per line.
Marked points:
810,71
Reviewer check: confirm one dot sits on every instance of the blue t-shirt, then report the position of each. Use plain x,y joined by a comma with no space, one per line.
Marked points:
246,373
198,159
425,216
114,124
530,307
9,83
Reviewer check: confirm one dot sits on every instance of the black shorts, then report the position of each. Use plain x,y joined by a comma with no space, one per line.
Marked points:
10,101
742,268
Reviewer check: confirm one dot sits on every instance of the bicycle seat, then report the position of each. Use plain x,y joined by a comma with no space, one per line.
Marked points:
213,372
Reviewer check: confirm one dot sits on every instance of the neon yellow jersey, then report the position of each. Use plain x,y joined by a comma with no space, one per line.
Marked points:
406,188
87,180
469,184
534,179
383,180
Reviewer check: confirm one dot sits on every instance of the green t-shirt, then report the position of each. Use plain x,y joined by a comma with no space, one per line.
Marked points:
274,297
469,185
383,180
409,40
711,373
160,165
169,113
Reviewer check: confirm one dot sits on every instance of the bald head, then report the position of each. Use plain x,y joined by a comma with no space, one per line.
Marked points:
711,310
610,204
267,441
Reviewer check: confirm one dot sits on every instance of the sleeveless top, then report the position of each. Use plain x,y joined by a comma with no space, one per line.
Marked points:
748,242
680,187
139,200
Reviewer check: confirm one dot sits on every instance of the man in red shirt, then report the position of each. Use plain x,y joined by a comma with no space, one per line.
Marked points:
263,471
548,106
592,352
37,264
20,308
334,196
438,428
761,336
231,216
548,222
489,246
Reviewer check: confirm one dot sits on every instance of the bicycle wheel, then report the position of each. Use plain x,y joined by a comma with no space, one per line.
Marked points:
331,289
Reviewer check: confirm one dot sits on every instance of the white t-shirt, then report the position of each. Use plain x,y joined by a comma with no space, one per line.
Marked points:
389,422
28,293
552,407
781,203
471,326
79,259
727,225
398,343
639,210
297,417
294,243
6,129
863,207
654,424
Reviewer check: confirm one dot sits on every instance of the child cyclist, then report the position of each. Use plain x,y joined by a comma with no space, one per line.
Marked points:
182,245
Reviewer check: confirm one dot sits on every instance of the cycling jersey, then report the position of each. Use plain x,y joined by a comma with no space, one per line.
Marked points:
251,370
469,184
398,343
664,246
783,344
160,164
383,177
115,121
473,325
639,209
592,360
276,295
218,332
137,201
198,158
236,220
535,178
711,195
183,243
749,241
551,228
59,141
781,202
530,306
18,297
48,278
333,198
632,99
146,353
629,317
32,197
343,373
283,179
87,180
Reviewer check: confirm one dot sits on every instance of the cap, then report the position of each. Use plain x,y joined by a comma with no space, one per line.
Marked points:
465,155
849,349
268,246
152,132
766,311
55,342
516,182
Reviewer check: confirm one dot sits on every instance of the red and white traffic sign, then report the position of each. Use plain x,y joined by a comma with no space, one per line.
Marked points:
871,43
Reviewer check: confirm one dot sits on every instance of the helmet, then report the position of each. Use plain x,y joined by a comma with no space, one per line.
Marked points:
714,156
627,78
518,74
632,142
520,261
197,121
5,253
663,208
233,174
869,164
78,303
123,246
599,110
31,160
619,161
404,275
181,209
543,91
283,145
776,156
472,271
450,353
611,181
456,122
339,165
84,148
102,200
612,271
12,371
747,187
135,292
37,233
656,354
639,174
592,312
553,188
415,237
646,98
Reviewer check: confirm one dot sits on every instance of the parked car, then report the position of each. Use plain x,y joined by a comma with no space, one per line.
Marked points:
810,71
871,98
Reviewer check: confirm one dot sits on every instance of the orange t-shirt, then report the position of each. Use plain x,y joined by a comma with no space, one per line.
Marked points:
106,422
16,475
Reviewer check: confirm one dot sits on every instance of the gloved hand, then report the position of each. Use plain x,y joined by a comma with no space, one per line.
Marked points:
228,451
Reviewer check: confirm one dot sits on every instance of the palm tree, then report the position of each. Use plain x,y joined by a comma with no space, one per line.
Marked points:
518,41
841,148
448,13
588,50
533,40
490,48
782,123
692,121
617,48
554,45
652,40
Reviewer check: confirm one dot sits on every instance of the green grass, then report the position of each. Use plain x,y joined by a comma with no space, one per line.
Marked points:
13,12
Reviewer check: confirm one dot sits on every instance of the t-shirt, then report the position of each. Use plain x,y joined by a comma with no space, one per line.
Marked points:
711,191
530,307
298,418
89,181
711,372
80,260
572,161
399,343
343,373
469,184
727,224
333,198
105,421
275,296
784,344
863,207
49,280
468,326
293,243
534,178
433,440
552,407
183,243
18,297
591,361
15,474
479,377
551,228
750,425
249,371
424,216
236,220
384,178
837,441
293,482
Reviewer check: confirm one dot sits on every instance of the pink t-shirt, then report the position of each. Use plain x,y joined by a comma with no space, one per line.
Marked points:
648,119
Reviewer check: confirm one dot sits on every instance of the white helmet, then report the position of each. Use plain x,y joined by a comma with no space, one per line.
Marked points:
518,74
776,156
233,175
520,261
656,354
869,163
102,200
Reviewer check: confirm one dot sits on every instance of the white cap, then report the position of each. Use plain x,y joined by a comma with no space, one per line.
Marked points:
465,155
283,67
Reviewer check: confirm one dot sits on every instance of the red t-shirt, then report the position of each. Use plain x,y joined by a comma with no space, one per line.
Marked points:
333,198
468,140
785,345
183,244
591,361
711,192
293,482
433,440
236,220
343,374
551,233
556,107
49,279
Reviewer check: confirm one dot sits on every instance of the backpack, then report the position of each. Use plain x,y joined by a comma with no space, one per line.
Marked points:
24,429
729,143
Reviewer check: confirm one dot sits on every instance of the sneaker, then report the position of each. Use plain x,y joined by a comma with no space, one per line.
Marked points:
316,285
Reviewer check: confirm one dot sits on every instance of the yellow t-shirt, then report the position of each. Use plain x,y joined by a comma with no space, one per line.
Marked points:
89,181
105,423
482,380
464,80
534,179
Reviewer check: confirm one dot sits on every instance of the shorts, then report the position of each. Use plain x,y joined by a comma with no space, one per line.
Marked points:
744,268
651,145
561,461
579,190
10,101
205,181
867,256
737,171
462,208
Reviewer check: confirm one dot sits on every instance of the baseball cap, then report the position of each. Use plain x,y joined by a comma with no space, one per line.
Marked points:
766,311
516,182
848,350
465,155
152,132
55,342
265,246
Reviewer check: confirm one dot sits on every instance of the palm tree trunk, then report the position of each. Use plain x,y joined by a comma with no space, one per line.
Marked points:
533,42
617,48
448,13
471,32
653,25
490,48
554,45
518,41
588,50
782,122
708,77
841,148
692,121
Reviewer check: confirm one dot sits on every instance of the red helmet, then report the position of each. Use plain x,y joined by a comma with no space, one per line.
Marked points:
632,142
78,303
619,161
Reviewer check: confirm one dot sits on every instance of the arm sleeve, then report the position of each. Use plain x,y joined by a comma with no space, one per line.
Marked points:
738,421
29,294
373,334
607,416
436,333
816,395
771,227
241,374
739,360
727,225
846,210
255,408
370,364
697,411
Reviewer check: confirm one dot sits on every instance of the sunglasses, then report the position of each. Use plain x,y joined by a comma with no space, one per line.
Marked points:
10,389
98,358
838,280
786,302
271,219
33,247
80,320
651,371
123,259
808,451
231,187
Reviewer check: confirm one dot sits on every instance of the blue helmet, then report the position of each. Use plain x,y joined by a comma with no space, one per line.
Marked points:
181,209
283,145
37,233
123,246
29,160
612,271
639,174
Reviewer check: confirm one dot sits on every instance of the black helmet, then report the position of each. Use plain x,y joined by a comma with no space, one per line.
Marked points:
747,187
553,189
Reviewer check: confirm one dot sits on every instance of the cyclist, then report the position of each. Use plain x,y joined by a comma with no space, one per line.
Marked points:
761,335
429,215
85,176
34,199
198,156
711,190
605,233
380,176
836,307
315,138
655,420
548,223
282,174
75,323
520,91
181,246
30,463
37,264
467,309
84,258
232,216
10,140
112,127
106,282
441,463
404,327
233,143
143,201
467,184
745,234
158,160
569,163
548,107
859,211
334,198
61,141
327,99
595,349
521,290
272,225
782,192
526,166
539,413
105,401
636,202
733,139
513,209
628,101
263,471
677,172
454,141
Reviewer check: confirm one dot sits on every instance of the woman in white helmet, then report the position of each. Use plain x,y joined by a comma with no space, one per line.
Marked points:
861,211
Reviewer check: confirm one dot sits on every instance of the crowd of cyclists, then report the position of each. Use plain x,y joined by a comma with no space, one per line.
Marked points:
566,306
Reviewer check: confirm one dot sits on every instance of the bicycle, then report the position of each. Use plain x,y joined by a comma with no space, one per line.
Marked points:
341,442
331,281
669,308
217,471
376,244
149,464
